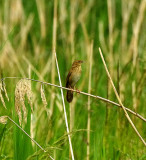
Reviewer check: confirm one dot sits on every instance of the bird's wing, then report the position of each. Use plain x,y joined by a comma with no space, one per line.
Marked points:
67,78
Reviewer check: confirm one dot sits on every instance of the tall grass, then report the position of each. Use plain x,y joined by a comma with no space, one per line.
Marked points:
30,33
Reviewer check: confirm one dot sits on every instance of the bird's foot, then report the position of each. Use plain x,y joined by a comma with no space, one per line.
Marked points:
78,92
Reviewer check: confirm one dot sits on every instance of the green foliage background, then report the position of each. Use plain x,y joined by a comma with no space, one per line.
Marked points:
26,43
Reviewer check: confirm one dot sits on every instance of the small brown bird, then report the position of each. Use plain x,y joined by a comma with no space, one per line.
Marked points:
73,77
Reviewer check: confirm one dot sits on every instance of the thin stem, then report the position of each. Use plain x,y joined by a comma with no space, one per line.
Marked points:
89,90
53,56
84,93
120,102
29,136
66,122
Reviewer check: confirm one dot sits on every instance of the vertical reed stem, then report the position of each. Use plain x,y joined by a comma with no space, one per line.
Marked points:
89,91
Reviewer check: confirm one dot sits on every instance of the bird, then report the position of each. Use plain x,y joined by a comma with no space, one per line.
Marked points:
72,78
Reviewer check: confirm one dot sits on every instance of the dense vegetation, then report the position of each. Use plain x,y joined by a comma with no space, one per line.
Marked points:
30,33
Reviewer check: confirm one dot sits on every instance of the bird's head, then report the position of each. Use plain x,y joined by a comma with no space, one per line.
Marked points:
77,62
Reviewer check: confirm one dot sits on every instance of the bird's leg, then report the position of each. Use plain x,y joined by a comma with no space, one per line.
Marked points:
78,92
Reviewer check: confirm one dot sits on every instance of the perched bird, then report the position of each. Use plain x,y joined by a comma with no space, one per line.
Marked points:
72,78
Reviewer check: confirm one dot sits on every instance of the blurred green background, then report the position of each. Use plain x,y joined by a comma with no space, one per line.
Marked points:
30,31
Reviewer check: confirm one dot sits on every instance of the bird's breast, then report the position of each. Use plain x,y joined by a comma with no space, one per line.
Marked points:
75,77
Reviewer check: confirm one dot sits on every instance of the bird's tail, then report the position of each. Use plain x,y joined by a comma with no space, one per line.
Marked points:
69,96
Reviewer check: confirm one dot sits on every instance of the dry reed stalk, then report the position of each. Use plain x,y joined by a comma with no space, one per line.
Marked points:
111,21
3,119
72,26
62,18
54,27
89,102
23,88
41,12
16,12
72,118
1,97
102,37
111,28
84,93
6,23
53,55
119,100
29,71
66,122
136,31
5,91
127,8
43,97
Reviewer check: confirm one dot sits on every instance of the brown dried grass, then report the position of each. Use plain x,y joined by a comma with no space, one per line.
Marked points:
23,88
3,89
43,97
3,119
